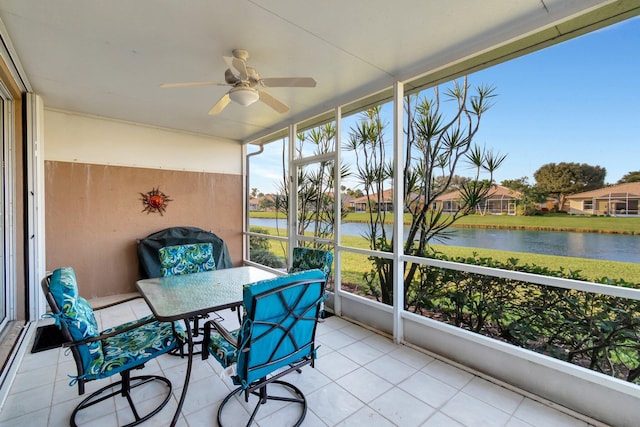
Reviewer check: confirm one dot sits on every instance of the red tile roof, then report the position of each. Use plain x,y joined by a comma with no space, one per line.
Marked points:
629,189
496,192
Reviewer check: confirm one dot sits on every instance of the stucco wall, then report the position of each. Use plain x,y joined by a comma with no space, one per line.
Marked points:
95,170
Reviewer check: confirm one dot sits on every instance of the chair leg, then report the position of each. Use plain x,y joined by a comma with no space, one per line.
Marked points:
123,388
196,326
264,397
238,311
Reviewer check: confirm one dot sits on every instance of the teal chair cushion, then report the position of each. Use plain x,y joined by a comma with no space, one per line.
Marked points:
272,347
222,350
103,358
308,259
78,316
186,259
137,346
64,286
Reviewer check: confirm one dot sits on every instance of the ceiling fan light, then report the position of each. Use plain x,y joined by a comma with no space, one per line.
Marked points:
244,95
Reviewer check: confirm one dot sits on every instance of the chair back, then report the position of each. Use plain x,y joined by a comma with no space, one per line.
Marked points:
185,259
309,258
148,247
75,317
280,324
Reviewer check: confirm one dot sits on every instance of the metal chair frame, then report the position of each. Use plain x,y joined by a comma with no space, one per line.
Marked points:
306,349
123,387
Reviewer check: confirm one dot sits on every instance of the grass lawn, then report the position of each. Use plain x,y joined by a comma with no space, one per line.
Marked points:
550,222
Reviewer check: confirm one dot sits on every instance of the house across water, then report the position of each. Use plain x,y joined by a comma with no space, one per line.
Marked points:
615,200
499,201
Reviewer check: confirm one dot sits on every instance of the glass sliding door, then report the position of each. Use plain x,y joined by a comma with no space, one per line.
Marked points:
313,175
4,292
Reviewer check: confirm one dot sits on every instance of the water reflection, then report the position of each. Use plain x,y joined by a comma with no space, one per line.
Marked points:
614,247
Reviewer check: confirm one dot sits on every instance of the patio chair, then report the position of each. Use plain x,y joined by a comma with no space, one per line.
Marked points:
277,337
187,259
148,248
309,258
117,350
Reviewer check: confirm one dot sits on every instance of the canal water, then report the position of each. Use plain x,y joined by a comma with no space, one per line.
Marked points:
614,247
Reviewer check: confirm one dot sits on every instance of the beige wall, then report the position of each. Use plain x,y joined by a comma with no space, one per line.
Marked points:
93,203
71,137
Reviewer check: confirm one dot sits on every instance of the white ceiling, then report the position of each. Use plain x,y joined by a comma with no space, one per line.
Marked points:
109,57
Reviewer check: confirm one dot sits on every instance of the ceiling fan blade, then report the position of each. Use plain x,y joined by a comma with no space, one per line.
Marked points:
237,67
193,84
272,102
288,82
220,105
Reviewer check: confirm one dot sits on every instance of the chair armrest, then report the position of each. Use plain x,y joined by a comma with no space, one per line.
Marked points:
207,336
133,325
96,305
225,333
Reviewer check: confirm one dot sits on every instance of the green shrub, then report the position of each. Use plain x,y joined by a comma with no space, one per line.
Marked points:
596,331
260,250
258,242
266,257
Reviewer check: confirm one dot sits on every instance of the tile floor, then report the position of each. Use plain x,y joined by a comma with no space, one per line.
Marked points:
361,378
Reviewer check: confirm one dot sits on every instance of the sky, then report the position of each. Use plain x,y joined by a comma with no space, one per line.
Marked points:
577,101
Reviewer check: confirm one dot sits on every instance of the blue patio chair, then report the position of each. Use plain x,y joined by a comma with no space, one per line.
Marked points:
277,337
117,350
309,258
188,258
148,247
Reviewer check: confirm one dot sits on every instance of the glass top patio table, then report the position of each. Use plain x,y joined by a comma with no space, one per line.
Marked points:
184,296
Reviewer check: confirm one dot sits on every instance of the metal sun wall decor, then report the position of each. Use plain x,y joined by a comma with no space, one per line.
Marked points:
154,201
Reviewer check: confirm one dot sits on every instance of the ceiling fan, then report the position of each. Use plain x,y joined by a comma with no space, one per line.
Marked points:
246,84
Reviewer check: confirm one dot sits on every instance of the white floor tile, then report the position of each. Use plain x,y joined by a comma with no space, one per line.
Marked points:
428,389
283,417
335,340
364,384
472,412
361,378
37,418
333,404
334,323
204,392
401,408
25,402
366,417
380,343
356,332
493,394
399,373
335,365
448,374
34,378
310,379
539,415
361,353
411,357
441,420
515,422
